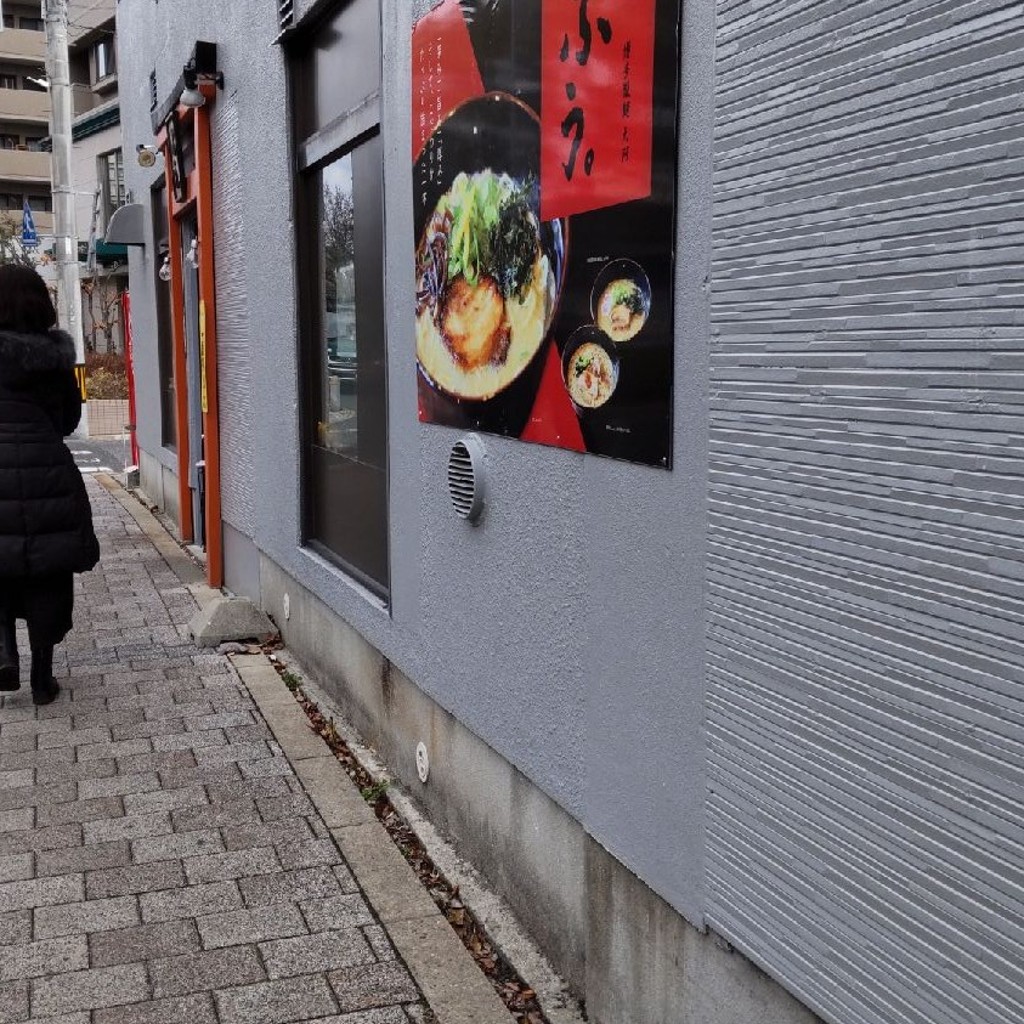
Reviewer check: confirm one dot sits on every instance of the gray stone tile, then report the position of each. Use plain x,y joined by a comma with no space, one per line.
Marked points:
188,819
135,826
232,752
40,892
205,971
75,737
197,1009
266,769
202,842
338,913
55,837
18,819
308,854
15,927
237,864
157,761
369,985
290,887
80,810
49,956
221,720
17,778
144,943
102,915
83,858
191,901
276,1002
165,800
37,796
18,867
55,774
118,785
240,837
379,942
324,951
14,1002
180,777
244,926
122,751
91,989
142,878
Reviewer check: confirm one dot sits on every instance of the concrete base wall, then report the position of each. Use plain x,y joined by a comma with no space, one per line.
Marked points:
160,485
620,947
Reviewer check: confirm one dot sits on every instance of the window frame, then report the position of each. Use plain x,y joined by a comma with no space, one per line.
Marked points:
312,152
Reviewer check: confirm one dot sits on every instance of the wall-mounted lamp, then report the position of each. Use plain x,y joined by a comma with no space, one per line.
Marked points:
145,155
191,96
192,256
164,273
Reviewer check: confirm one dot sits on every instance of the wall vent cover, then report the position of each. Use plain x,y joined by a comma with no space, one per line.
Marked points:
285,12
466,478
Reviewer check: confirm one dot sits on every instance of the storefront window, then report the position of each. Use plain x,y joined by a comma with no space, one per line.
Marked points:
340,235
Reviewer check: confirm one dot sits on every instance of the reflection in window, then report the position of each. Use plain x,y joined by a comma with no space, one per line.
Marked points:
339,429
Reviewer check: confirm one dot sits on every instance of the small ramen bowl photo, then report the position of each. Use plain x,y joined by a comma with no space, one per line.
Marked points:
590,368
620,302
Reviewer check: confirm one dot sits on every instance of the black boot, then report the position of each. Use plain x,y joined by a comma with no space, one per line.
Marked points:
9,666
44,686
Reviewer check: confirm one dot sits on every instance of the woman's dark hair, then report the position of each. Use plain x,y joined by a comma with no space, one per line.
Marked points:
25,303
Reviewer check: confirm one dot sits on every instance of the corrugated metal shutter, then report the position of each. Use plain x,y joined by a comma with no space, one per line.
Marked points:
866,706
234,350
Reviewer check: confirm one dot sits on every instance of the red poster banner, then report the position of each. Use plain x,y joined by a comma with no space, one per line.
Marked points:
597,114
445,71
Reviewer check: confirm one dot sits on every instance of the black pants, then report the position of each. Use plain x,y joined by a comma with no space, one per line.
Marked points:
46,603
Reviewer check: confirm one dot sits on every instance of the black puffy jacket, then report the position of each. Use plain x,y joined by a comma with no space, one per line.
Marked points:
45,519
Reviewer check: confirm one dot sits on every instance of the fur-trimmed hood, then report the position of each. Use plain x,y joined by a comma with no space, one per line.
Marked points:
22,355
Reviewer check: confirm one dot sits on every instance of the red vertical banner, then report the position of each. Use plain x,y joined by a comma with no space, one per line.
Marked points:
597,104
444,70
129,366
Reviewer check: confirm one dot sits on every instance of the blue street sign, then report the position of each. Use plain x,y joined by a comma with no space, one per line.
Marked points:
29,236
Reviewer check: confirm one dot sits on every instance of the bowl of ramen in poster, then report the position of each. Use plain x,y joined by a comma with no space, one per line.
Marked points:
590,368
620,302
489,272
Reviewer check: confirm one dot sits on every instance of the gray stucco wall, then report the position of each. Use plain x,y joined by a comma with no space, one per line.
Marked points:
537,666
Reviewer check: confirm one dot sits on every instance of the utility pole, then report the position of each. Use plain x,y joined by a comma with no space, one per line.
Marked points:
69,293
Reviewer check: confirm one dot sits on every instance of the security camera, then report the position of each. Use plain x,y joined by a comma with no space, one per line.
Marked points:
145,155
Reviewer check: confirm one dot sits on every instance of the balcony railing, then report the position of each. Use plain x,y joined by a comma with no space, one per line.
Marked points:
22,45
23,104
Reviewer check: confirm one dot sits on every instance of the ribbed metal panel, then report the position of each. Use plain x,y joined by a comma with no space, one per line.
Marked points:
234,349
865,700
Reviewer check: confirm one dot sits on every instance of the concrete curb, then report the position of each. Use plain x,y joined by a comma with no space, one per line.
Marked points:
452,984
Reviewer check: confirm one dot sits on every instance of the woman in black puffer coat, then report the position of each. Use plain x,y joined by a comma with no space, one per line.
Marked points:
46,532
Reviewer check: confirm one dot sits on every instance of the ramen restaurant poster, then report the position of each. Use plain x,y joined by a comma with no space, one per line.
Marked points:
544,171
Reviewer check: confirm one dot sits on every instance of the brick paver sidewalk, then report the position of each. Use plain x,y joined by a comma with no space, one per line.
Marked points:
159,859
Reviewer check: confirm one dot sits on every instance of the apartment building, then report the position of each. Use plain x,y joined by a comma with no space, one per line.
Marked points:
24,117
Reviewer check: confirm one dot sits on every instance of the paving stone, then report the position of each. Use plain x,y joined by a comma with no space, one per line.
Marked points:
157,761
230,792
295,805
135,826
49,956
20,866
37,796
55,837
336,796
180,777
197,1009
15,927
240,837
14,1002
17,744
244,926
83,858
380,984
382,1015
290,886
125,881
276,1002
137,730
36,726
165,800
221,720
194,709
14,760
119,785
232,752
75,737
17,778
90,989
379,942
338,913
191,901
309,854
190,740
80,810
324,951
187,819
143,943
123,750
237,864
40,892
102,915
201,842
54,774
17,820
202,972
265,769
